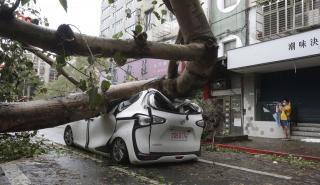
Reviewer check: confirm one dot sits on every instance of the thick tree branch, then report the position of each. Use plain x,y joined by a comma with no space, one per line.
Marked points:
53,112
46,39
173,65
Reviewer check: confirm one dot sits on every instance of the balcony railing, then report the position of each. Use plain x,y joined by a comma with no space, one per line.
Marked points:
277,18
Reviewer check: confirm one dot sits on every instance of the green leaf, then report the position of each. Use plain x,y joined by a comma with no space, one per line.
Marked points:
157,15
120,59
64,4
95,99
43,90
110,1
105,85
164,12
82,85
117,35
29,65
91,60
163,21
138,29
61,61
24,2
154,2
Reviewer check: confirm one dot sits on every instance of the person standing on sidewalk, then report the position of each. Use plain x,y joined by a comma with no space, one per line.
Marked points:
285,112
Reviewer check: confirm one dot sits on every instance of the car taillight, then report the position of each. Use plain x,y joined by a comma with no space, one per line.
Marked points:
200,123
158,120
146,120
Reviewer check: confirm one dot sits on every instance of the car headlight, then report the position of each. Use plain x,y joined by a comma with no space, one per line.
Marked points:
200,123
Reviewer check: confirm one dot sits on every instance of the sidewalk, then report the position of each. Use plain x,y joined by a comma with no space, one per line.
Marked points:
306,150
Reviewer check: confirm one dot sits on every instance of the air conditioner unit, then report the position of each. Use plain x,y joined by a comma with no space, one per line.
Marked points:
259,35
312,17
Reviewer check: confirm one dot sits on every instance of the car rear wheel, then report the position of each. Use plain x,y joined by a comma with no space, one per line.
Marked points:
119,152
68,137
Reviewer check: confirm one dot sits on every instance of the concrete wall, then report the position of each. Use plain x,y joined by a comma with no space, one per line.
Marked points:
228,23
251,127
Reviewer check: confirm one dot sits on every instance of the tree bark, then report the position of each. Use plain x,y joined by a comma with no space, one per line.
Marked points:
201,49
173,64
22,116
103,47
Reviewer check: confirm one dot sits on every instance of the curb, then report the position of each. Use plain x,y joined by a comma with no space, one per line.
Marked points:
268,152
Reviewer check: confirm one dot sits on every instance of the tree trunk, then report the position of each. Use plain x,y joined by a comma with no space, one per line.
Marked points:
201,49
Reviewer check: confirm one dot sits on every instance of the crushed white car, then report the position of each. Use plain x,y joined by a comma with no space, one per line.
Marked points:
146,128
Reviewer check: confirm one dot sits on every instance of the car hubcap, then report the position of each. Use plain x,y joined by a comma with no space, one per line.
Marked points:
68,137
119,150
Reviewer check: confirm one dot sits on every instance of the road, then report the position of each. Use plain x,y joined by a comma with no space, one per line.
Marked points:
68,166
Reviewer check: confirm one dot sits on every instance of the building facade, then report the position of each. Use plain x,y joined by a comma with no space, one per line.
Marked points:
228,20
278,59
122,16
45,72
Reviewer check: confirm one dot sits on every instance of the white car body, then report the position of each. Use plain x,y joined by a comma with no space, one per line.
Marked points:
173,134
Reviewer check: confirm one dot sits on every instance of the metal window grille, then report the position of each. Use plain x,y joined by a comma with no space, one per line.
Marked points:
280,17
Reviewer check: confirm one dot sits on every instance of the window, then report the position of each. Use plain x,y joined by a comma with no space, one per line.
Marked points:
144,68
117,12
160,102
125,104
117,24
228,46
114,75
129,3
228,3
284,16
52,75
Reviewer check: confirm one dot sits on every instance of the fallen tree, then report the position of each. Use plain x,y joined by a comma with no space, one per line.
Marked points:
199,49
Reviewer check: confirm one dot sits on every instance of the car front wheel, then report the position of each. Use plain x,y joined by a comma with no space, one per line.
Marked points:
68,137
119,152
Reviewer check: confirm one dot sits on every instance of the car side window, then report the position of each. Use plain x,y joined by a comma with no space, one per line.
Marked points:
159,102
125,104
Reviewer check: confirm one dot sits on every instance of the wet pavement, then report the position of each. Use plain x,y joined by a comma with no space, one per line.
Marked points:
68,166
279,145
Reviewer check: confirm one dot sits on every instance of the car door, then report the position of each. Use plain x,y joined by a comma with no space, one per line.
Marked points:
79,130
100,131
178,134
127,114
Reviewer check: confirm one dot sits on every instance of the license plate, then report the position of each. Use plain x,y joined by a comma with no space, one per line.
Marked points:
178,136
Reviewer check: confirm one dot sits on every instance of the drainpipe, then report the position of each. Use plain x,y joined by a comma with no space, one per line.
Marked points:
247,23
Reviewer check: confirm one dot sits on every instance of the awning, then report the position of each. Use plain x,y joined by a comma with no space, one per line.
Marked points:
296,51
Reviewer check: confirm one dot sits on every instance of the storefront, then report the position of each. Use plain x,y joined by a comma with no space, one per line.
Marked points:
300,87
285,68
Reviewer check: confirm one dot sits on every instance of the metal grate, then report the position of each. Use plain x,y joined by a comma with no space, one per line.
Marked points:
276,18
